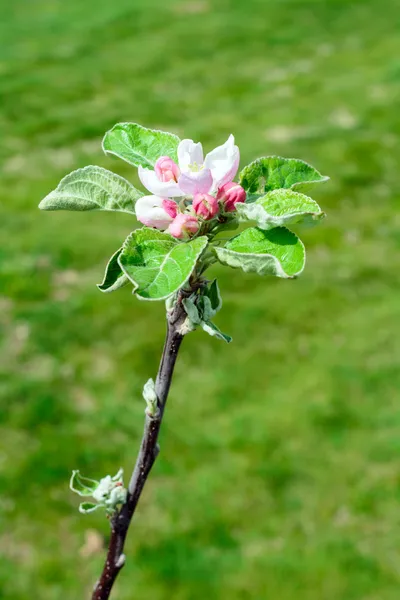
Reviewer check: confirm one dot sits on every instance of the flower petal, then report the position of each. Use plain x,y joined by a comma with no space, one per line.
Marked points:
223,162
196,182
150,181
189,153
149,210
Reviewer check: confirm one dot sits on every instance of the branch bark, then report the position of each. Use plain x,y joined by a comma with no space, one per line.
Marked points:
148,452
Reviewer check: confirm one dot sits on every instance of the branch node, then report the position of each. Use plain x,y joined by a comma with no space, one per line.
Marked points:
121,561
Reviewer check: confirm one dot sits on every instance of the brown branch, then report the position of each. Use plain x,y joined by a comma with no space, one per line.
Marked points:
147,454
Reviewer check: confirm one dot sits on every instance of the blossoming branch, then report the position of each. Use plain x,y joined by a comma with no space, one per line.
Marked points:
193,199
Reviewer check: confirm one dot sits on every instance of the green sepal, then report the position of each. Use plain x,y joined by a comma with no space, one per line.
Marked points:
140,146
274,172
114,277
83,486
157,264
280,207
276,252
92,188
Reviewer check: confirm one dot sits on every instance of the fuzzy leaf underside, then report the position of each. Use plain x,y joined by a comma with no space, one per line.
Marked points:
157,264
281,207
92,188
274,172
276,252
140,146
114,277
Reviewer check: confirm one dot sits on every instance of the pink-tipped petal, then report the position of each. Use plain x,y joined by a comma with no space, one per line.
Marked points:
223,162
149,179
170,207
196,182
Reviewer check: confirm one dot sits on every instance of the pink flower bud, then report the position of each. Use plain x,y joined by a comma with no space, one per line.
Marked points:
166,169
230,194
183,226
150,211
205,205
170,207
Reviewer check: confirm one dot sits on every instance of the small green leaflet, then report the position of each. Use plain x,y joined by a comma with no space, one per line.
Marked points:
92,188
276,252
201,308
88,507
281,207
114,277
274,172
138,145
82,485
192,311
214,295
157,264
213,330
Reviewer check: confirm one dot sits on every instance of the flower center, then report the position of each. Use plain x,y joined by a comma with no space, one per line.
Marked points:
195,168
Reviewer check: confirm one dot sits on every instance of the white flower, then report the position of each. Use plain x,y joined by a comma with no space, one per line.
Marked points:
198,175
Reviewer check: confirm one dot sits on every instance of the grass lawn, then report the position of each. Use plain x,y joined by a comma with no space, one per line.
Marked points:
279,472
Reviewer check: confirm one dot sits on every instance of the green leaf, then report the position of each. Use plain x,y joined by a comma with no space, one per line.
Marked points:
205,308
82,485
88,507
114,277
281,207
274,172
214,295
191,311
92,188
276,252
157,264
213,330
138,145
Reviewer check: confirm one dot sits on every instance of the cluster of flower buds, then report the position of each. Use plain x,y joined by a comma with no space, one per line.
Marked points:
197,189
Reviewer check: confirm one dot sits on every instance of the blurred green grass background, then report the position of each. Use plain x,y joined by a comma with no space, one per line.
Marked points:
279,472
